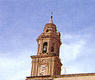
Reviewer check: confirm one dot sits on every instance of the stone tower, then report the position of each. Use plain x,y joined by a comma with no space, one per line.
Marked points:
47,62
46,65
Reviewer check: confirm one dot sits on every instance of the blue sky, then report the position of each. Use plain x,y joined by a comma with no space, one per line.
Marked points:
22,21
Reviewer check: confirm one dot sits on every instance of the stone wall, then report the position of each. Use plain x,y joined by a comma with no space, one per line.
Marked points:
91,77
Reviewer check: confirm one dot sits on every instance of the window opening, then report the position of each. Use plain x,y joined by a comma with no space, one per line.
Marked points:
45,47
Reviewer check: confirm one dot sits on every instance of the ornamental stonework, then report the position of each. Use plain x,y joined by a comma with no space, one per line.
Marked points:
46,65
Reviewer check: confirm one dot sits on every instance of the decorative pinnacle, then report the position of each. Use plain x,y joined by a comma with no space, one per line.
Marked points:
51,20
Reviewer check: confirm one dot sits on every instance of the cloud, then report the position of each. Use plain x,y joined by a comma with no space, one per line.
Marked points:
71,69
71,50
15,68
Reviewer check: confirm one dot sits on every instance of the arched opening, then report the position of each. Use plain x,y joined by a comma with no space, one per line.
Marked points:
52,49
45,47
47,30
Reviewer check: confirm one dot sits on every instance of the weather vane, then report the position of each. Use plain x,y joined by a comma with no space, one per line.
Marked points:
51,15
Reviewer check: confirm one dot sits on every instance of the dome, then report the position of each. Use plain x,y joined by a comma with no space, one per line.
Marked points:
50,27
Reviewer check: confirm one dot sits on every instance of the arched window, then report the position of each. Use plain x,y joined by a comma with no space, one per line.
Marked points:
45,47
52,49
47,30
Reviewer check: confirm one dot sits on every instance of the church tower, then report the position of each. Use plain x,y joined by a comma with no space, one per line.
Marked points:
46,65
47,61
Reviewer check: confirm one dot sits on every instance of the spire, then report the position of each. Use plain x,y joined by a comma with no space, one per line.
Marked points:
51,20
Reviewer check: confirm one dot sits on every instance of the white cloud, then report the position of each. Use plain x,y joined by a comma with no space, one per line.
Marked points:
71,51
15,68
71,69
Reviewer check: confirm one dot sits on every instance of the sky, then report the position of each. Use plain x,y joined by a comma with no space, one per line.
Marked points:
22,21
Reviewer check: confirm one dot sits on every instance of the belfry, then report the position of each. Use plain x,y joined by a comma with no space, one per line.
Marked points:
46,65
47,61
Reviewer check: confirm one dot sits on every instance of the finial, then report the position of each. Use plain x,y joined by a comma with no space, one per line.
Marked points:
51,20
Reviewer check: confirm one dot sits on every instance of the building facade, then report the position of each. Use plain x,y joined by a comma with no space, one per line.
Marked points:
46,65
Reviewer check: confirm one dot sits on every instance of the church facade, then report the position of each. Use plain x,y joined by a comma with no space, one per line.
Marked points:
46,65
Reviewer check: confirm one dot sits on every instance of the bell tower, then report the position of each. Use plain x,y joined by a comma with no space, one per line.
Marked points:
47,62
49,41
